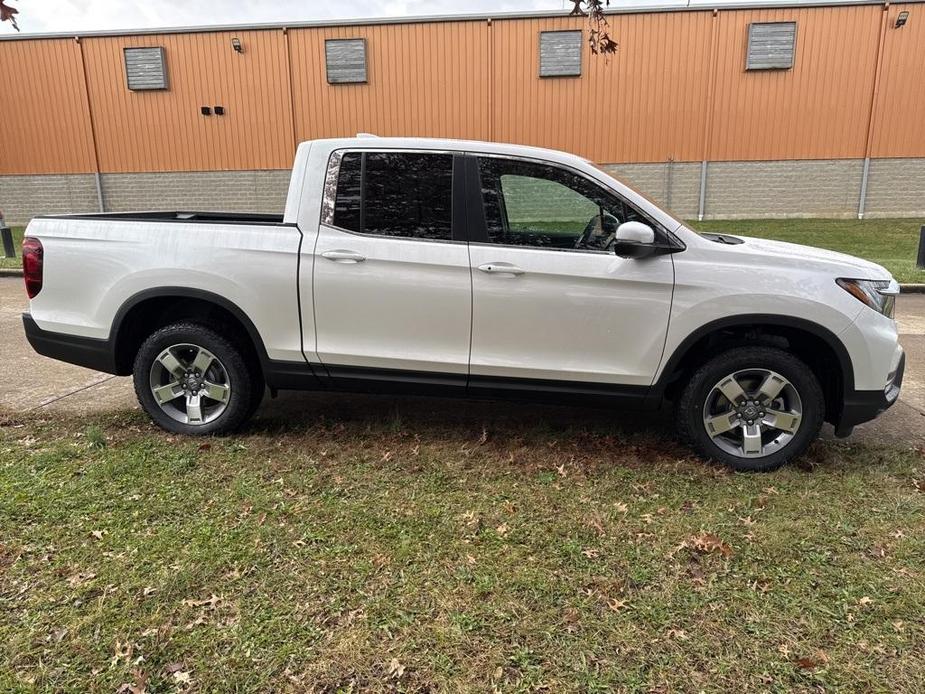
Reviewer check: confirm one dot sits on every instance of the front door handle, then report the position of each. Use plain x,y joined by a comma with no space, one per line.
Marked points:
344,256
501,269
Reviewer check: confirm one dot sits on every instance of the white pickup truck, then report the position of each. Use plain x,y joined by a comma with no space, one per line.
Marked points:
475,269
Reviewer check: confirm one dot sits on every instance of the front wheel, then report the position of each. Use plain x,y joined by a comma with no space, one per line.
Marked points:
751,408
192,380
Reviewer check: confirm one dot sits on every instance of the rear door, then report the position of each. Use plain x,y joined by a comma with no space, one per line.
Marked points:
551,301
392,284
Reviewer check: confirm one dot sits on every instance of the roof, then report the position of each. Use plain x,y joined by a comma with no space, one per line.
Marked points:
423,19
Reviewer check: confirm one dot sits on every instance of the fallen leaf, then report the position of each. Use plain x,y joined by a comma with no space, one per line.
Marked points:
503,529
621,507
865,600
182,677
396,669
77,579
210,602
205,447
616,605
591,553
707,543
98,534
818,659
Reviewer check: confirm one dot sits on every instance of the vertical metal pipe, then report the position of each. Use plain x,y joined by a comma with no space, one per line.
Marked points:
491,82
710,108
99,191
703,190
89,106
668,183
863,201
291,88
872,113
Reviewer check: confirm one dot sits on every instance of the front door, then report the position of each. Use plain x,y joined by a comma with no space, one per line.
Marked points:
552,304
392,285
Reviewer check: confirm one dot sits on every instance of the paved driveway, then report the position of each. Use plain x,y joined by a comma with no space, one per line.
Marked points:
31,382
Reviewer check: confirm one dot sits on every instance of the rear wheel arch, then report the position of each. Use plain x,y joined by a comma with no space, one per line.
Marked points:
146,312
814,344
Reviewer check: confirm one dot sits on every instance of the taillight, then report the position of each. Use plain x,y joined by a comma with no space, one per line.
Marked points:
32,265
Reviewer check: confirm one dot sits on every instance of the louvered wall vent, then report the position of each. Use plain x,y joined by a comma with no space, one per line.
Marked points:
145,68
771,45
560,53
346,60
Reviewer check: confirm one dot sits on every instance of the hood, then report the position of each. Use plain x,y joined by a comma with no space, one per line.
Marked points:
840,264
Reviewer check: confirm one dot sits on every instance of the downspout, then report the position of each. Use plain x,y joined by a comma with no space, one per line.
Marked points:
862,201
711,107
295,141
89,109
491,82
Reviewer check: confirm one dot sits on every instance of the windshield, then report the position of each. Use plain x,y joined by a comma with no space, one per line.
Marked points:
645,197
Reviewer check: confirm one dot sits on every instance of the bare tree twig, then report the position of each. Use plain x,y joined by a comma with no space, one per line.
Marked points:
8,14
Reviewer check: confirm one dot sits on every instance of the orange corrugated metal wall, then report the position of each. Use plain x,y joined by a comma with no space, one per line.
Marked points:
475,79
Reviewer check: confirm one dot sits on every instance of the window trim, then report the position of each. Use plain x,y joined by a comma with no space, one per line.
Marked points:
473,180
329,195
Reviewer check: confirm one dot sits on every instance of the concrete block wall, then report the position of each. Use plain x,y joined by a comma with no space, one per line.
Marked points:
674,186
24,197
895,188
748,190
213,191
734,190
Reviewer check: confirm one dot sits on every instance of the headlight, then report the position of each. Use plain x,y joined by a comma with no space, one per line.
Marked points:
880,295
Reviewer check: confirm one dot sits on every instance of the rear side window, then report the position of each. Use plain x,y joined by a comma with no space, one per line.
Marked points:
395,194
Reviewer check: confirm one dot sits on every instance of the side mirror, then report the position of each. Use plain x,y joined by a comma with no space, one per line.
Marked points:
634,240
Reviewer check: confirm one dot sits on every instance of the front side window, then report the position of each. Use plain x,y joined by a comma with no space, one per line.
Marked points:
532,204
395,194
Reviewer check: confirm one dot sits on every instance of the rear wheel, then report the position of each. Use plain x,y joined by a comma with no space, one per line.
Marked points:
192,380
751,408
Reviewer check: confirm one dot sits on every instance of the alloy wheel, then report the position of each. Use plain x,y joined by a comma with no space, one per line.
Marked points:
752,413
190,384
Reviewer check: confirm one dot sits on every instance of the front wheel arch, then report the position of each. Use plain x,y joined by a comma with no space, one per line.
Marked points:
814,344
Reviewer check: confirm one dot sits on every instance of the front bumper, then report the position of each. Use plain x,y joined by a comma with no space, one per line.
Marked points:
861,406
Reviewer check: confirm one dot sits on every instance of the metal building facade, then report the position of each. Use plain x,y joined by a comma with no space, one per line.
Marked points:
676,91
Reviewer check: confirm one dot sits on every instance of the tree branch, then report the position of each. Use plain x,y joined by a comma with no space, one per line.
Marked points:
8,14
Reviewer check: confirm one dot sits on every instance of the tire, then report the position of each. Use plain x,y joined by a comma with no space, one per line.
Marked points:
168,361
731,432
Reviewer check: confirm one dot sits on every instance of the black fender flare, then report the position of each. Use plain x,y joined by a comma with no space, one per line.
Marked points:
657,392
187,293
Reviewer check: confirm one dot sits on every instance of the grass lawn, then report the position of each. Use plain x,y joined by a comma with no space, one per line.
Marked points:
17,243
405,547
892,243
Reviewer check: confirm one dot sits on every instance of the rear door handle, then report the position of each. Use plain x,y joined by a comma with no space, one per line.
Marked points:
344,256
501,269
